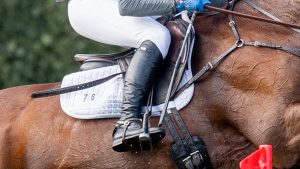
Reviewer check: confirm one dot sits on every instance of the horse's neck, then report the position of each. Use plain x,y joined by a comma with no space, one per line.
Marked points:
286,10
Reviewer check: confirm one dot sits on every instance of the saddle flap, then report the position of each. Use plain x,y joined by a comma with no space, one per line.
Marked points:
177,29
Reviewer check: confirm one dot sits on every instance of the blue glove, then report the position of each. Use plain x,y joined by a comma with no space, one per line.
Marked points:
192,5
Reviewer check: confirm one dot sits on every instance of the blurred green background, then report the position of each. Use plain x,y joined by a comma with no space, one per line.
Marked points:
37,43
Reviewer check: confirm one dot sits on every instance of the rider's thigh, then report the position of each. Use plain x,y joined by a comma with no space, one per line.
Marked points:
100,20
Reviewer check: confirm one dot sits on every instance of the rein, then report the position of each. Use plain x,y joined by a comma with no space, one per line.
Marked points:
238,44
230,12
266,13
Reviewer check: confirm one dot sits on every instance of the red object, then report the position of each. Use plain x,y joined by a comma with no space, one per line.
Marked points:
260,159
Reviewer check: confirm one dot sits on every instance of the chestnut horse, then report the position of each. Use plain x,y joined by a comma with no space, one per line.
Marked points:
251,98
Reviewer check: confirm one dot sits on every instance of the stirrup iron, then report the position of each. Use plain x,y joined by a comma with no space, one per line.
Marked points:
144,137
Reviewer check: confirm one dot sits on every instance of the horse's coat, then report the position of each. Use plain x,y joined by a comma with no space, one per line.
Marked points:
252,98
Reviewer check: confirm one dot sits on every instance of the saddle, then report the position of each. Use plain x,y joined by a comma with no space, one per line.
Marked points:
177,29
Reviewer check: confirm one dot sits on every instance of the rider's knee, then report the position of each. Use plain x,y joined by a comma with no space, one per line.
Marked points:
161,38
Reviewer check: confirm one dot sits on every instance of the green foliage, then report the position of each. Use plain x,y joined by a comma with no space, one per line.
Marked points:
37,43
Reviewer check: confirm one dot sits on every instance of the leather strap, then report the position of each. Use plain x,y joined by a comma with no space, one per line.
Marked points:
175,135
194,152
293,51
265,12
208,67
69,89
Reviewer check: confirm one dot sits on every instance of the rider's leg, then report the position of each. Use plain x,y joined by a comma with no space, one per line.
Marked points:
100,20
139,77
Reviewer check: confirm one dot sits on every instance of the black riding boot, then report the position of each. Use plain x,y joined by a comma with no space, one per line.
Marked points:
138,80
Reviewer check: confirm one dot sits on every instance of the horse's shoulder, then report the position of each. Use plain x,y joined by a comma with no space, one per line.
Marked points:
19,97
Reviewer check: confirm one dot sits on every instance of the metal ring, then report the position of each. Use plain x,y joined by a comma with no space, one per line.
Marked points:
240,43
256,44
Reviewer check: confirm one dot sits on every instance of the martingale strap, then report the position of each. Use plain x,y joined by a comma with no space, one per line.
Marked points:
293,51
208,67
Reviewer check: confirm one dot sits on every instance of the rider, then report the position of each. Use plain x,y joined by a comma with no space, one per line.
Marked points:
128,23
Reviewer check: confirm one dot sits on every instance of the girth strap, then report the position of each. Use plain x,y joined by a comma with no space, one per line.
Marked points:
194,152
174,134
181,150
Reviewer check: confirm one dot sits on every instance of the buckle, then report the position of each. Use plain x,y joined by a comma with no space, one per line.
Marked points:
256,44
231,23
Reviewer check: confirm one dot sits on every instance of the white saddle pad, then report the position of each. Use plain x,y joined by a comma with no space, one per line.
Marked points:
105,100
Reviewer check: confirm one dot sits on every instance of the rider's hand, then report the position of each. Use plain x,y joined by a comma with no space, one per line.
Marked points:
192,5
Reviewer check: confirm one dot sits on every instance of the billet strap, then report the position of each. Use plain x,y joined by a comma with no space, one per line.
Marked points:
58,91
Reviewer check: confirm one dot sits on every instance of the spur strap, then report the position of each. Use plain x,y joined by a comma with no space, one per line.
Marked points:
126,124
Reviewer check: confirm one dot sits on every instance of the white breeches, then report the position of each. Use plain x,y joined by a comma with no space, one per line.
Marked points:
100,20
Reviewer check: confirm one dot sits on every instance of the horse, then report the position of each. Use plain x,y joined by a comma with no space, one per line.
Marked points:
251,98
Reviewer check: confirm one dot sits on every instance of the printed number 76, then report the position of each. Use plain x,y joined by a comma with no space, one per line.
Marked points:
89,97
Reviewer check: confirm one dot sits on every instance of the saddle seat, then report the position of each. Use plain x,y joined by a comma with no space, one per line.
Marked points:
177,29
93,61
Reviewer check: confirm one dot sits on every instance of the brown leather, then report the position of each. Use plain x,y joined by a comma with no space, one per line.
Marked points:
177,30
112,56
